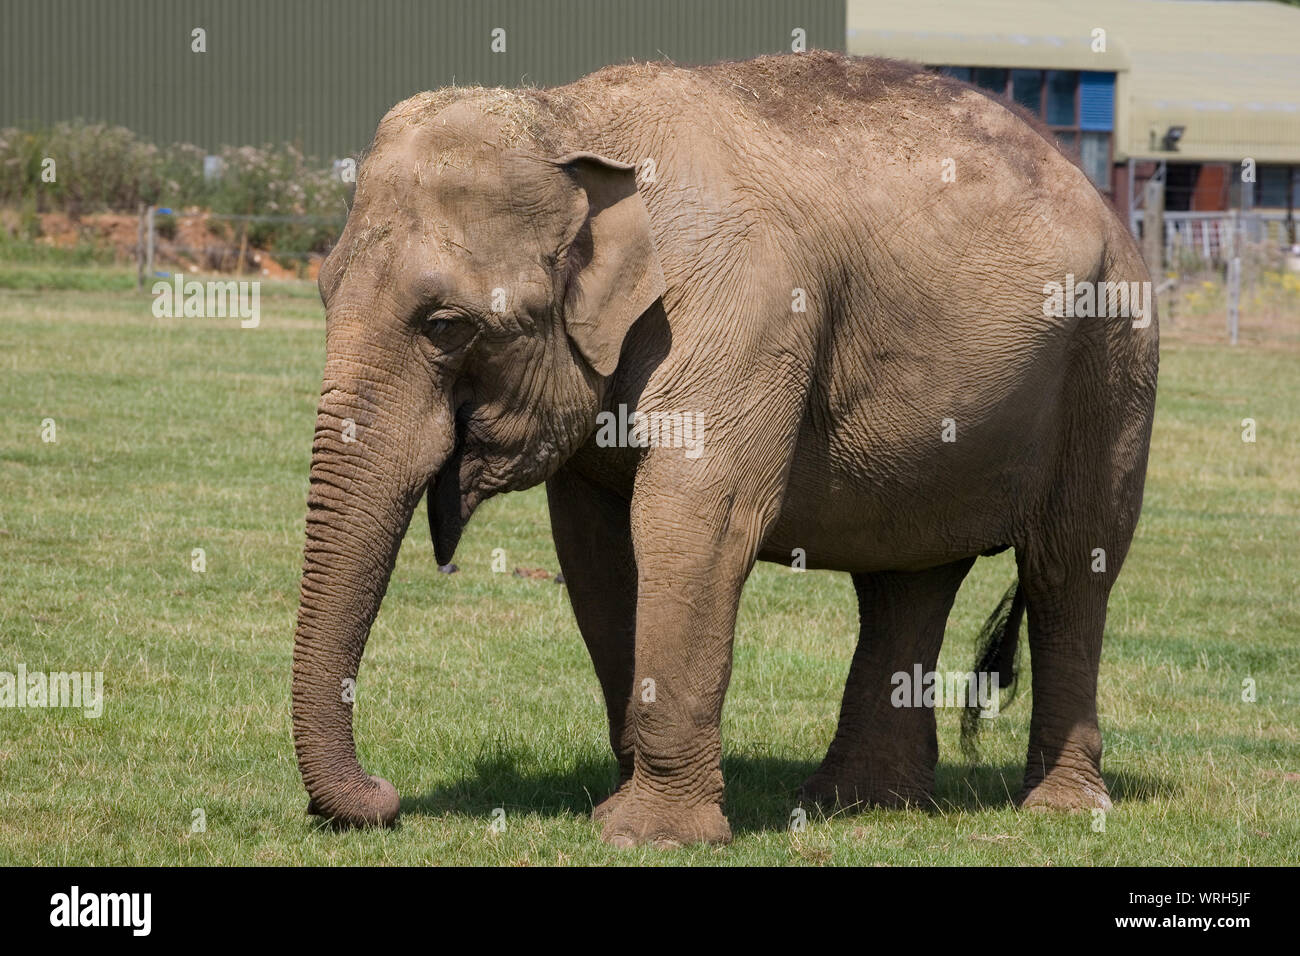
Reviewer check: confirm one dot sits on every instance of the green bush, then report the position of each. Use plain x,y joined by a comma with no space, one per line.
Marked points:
96,167
108,168
278,181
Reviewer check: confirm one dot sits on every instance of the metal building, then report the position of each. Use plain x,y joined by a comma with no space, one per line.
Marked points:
322,72
1205,94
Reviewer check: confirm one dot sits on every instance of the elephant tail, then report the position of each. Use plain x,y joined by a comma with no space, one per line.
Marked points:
997,652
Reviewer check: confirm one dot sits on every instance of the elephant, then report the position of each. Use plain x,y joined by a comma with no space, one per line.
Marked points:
842,268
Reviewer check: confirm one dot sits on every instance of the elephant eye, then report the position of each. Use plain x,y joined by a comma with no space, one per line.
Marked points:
438,322
446,330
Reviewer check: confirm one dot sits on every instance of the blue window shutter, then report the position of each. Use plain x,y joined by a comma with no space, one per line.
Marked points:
1097,101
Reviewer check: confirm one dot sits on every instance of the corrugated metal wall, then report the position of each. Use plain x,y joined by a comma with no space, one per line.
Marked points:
322,72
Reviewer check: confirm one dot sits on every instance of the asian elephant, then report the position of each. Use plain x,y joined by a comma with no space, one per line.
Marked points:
849,272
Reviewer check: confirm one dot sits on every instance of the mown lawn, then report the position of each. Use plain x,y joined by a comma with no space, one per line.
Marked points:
476,692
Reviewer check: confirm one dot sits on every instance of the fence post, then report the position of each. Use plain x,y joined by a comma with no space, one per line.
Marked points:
148,242
1132,198
1234,298
139,248
1153,225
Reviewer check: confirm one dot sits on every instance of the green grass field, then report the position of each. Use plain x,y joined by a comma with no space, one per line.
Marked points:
476,692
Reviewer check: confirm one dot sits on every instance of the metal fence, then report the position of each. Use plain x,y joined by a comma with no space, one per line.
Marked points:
221,257
1211,236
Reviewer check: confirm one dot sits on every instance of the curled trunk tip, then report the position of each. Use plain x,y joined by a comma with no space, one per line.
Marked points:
375,805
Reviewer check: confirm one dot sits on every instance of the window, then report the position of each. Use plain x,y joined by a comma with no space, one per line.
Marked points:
1078,106
1061,88
1094,157
1027,89
995,81
1271,186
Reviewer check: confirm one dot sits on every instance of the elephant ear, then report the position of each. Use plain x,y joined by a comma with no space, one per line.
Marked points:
614,273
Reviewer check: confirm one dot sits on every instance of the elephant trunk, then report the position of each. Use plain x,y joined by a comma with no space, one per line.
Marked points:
364,488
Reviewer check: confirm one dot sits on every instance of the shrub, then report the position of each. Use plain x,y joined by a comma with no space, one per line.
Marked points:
278,181
108,168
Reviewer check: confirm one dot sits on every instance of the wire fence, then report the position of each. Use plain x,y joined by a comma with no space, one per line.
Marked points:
1213,237
161,235
1239,245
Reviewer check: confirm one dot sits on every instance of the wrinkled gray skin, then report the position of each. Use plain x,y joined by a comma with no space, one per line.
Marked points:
924,302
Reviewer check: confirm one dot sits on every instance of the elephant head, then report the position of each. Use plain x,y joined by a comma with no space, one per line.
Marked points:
476,304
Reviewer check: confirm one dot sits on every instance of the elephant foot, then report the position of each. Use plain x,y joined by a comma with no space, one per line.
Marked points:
840,792
375,805
1065,791
636,820
607,806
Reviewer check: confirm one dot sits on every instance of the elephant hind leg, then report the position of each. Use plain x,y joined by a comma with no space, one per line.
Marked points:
1074,544
1068,565
1067,614
882,754
1067,572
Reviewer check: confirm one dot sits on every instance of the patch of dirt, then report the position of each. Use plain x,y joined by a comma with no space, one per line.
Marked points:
540,574
114,230
1286,776
197,243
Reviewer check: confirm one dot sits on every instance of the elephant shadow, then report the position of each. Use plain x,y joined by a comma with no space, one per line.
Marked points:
963,787
762,791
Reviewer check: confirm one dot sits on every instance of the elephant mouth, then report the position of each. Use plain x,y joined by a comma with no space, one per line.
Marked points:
446,507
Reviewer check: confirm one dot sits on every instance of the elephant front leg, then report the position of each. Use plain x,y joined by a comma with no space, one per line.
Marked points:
692,563
594,544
